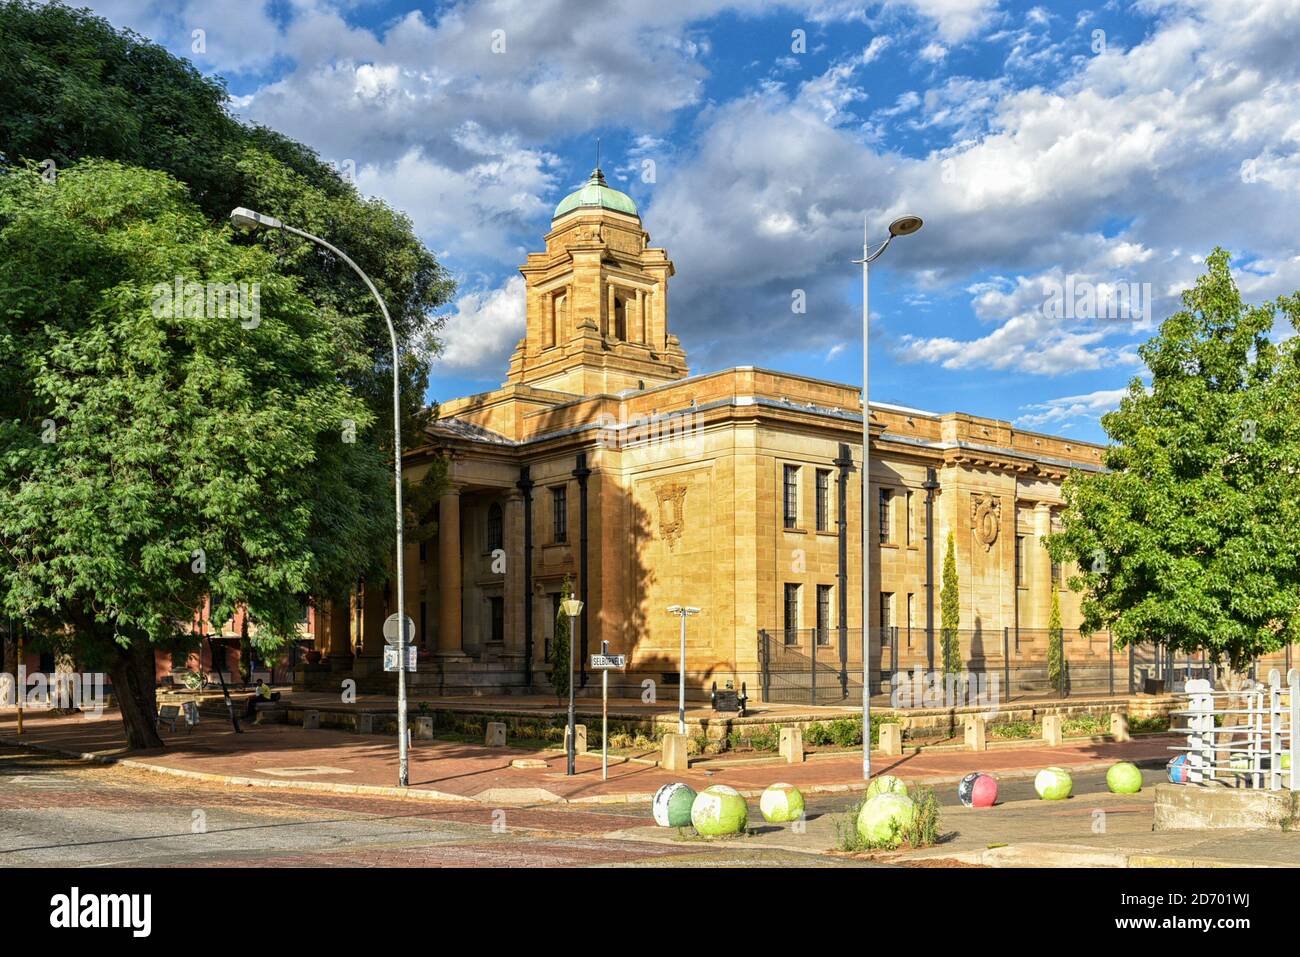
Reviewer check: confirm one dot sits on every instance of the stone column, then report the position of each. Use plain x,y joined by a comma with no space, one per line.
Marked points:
609,311
336,641
449,579
513,541
642,323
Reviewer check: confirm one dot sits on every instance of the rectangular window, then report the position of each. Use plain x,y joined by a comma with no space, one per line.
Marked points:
495,533
824,614
886,615
424,621
424,552
560,514
1056,573
791,620
883,516
497,607
911,615
908,506
823,500
791,496
1020,559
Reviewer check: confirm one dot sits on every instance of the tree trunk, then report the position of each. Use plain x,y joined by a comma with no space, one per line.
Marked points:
133,672
245,653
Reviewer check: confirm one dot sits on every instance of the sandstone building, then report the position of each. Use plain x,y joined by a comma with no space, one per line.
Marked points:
601,459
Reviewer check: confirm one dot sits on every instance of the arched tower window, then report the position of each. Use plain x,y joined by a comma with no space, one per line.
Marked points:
495,535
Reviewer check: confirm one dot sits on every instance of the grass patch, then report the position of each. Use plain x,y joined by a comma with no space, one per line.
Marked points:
923,831
1015,730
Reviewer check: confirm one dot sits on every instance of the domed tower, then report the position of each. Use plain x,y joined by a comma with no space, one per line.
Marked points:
597,301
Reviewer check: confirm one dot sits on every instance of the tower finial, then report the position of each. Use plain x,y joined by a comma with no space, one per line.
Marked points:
597,152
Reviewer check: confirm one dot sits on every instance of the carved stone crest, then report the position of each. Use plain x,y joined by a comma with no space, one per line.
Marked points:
986,518
671,497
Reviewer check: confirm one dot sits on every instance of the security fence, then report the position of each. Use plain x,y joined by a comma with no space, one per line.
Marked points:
824,666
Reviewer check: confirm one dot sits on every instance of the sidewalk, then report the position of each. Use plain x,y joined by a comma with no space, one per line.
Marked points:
289,756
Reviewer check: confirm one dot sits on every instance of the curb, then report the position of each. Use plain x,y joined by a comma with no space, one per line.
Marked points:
497,796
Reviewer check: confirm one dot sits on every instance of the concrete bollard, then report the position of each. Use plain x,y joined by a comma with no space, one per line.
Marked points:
424,728
311,720
975,736
495,737
1119,727
580,737
1052,730
365,723
674,753
891,739
792,745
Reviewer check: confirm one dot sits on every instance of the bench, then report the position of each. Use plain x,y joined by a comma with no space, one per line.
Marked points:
168,715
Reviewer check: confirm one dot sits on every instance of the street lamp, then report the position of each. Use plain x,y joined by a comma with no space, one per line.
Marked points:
247,219
903,226
684,612
573,608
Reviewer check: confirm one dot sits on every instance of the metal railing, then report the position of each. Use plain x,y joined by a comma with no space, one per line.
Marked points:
824,666
1241,738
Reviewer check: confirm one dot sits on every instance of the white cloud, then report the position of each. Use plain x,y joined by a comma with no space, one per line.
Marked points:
1056,412
485,326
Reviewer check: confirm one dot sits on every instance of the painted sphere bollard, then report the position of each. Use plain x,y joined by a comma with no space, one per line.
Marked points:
781,803
1053,784
1177,769
672,805
978,789
885,784
1124,778
884,817
719,810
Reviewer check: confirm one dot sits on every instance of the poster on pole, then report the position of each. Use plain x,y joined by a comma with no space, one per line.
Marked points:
391,659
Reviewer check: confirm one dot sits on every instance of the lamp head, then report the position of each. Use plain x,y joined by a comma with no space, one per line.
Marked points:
572,607
905,225
248,220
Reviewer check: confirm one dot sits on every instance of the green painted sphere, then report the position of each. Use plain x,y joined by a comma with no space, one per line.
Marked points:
672,805
886,784
883,817
780,803
1124,778
719,810
1053,784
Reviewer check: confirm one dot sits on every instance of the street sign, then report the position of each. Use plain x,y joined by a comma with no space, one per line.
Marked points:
608,662
391,632
391,659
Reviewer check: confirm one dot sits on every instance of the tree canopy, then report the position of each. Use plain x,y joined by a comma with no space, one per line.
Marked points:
157,450
1188,538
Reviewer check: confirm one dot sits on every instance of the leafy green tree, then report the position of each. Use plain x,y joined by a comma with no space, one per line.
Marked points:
1188,538
155,450
950,611
73,87
560,644
1055,644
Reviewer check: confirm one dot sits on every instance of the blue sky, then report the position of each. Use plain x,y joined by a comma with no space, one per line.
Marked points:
1103,148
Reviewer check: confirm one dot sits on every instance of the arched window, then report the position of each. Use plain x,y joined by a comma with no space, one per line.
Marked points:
495,536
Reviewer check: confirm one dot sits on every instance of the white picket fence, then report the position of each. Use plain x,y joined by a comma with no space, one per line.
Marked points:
1242,738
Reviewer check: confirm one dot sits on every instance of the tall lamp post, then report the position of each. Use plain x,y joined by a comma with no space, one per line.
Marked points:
573,608
248,220
903,226
684,612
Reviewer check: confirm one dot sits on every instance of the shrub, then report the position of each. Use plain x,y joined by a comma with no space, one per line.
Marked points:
1015,729
1147,724
846,732
817,734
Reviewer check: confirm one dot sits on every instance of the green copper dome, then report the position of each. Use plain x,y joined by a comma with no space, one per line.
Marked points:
596,193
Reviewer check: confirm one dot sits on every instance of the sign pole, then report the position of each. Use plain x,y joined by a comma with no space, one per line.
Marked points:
604,716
